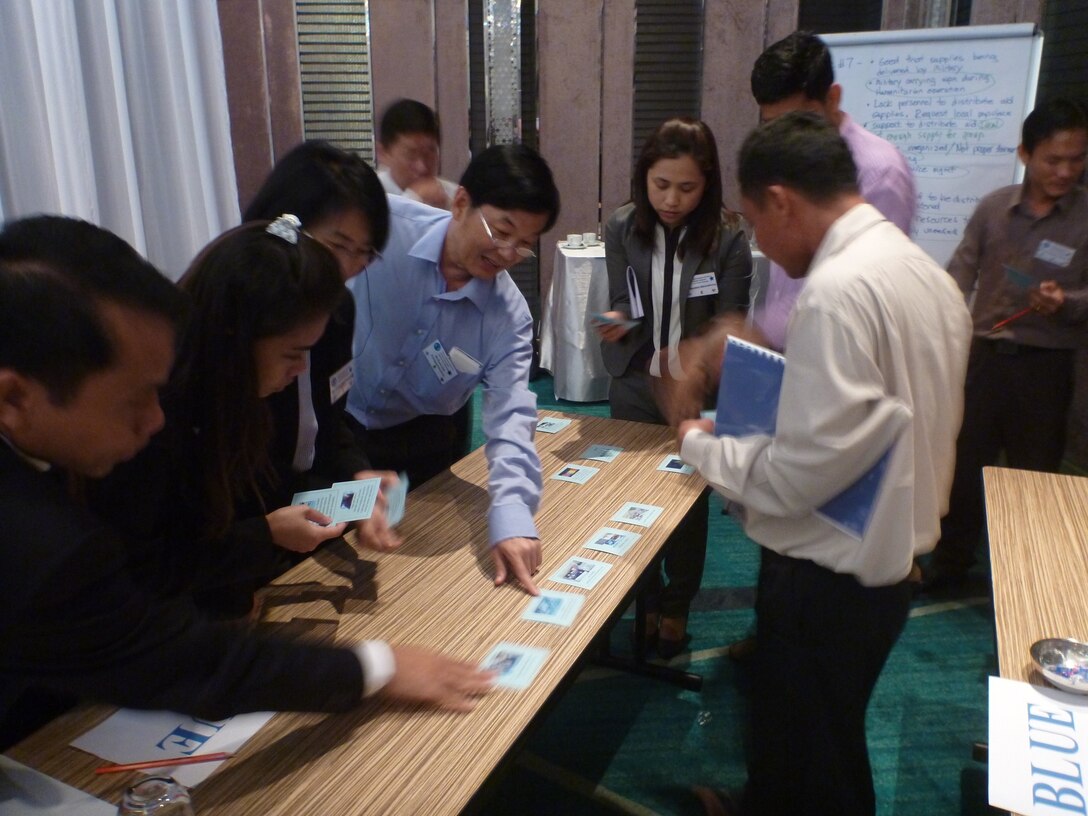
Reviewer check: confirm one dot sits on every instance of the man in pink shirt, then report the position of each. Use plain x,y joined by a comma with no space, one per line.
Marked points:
796,74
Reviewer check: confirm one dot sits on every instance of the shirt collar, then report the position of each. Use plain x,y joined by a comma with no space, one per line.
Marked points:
1063,204
386,175
846,228
429,248
477,291
38,464
846,124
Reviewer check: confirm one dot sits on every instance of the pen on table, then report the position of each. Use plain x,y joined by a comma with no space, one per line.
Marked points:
1003,323
164,763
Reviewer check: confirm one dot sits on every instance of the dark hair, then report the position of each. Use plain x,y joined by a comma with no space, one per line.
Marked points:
799,150
246,285
512,177
408,116
54,271
673,138
1049,118
315,181
799,63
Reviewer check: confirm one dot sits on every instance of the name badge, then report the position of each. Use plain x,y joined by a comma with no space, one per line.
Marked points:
340,382
440,362
703,285
1053,253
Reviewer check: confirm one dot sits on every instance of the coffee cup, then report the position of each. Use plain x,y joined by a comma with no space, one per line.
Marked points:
589,238
574,239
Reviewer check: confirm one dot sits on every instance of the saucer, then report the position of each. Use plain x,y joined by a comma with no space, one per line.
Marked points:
1063,661
595,244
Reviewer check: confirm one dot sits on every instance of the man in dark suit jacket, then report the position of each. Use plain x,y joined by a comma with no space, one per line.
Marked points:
87,331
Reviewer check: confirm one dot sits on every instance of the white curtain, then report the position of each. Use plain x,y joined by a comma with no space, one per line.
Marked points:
115,111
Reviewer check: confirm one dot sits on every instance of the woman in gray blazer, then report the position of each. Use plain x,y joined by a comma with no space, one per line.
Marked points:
672,266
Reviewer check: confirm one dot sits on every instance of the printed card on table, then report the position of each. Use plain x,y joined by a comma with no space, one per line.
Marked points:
552,425
641,515
515,665
584,573
674,464
550,606
602,453
579,474
609,540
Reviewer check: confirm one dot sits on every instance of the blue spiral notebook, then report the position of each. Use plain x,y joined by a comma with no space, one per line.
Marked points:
751,381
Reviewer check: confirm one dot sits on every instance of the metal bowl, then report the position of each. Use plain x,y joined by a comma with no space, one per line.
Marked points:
1063,661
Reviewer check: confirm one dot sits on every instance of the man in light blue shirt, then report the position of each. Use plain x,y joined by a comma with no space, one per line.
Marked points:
437,315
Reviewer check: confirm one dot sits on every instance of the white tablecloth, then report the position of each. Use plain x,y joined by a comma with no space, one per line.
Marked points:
569,347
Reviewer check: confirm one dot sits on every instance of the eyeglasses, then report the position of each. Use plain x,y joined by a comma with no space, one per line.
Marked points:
369,254
504,243
364,257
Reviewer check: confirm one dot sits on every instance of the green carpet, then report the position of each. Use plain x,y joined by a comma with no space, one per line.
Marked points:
615,743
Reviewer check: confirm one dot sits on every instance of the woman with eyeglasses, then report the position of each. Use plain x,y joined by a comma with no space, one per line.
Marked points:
672,266
340,202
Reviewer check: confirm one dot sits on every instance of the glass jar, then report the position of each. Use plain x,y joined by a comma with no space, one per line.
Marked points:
158,795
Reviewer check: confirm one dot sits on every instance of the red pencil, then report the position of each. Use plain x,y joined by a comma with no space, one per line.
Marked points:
164,763
1003,323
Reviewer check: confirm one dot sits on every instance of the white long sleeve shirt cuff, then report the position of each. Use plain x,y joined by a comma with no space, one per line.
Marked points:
379,665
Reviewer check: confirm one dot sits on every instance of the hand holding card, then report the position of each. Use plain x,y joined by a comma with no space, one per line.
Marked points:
599,319
376,533
344,501
300,528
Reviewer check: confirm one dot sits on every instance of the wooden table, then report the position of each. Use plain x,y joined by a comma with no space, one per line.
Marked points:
435,591
1038,528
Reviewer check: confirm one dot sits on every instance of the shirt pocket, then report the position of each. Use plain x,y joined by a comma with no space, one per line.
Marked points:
436,397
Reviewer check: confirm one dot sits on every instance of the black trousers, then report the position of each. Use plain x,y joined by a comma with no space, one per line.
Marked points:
421,447
630,398
1016,401
823,640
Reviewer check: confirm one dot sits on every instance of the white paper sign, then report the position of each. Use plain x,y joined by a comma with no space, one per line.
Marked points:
136,736
1038,762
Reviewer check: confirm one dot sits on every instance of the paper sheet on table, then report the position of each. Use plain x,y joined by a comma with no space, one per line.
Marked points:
136,736
1038,746
27,792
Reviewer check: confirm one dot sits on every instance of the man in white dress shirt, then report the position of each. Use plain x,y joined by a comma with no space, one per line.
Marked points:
876,356
409,145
